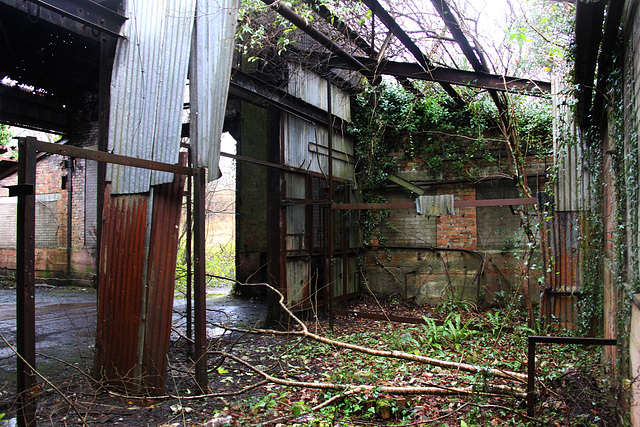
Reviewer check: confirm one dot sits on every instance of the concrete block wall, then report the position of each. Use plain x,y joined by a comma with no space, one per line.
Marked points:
434,276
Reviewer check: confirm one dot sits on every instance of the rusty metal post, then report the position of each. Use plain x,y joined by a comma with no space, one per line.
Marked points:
107,53
199,286
189,225
330,225
531,377
531,363
69,214
25,280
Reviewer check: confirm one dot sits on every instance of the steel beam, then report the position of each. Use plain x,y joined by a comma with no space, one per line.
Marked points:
325,41
73,15
393,26
457,204
454,28
83,153
454,76
25,281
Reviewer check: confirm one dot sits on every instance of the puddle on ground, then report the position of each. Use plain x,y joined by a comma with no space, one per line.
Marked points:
66,321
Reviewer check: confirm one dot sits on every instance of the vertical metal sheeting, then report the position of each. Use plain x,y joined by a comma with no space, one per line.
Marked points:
167,203
148,84
560,253
212,52
120,294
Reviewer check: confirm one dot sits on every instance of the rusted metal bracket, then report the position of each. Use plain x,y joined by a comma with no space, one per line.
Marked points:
531,362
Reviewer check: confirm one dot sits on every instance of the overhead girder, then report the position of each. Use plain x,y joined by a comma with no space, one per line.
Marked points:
82,17
406,40
455,77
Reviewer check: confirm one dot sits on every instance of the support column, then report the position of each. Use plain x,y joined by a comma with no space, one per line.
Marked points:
25,280
199,289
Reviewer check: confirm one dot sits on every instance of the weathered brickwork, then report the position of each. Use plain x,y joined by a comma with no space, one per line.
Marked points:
458,231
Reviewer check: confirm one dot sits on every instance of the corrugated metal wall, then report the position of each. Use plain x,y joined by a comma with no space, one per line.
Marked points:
119,292
213,47
148,83
135,293
163,247
561,255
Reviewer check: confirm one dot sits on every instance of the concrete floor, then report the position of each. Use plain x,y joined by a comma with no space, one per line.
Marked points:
66,321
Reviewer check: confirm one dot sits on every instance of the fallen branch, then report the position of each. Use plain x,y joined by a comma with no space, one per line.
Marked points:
383,353
435,390
57,390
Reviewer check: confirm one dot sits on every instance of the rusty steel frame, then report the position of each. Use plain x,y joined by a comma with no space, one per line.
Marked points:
406,40
25,260
25,281
457,204
531,362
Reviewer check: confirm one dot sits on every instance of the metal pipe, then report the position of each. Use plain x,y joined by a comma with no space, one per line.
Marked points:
331,242
325,41
189,226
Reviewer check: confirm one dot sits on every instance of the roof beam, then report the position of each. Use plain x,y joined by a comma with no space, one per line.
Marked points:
393,26
73,15
289,14
456,77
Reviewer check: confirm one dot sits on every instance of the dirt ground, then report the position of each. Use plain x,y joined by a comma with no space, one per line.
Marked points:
66,323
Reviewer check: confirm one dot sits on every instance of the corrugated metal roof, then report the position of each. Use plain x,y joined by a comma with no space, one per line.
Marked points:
148,85
213,46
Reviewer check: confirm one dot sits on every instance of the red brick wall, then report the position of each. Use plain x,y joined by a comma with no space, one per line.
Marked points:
458,231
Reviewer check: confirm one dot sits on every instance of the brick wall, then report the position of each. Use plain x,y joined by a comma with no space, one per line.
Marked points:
51,219
460,230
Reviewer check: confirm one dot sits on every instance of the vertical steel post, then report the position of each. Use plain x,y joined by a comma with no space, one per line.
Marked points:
531,377
199,288
107,53
25,280
69,214
330,225
189,246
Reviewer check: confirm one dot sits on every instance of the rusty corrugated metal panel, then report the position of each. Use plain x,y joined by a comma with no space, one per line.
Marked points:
148,84
213,47
560,255
163,248
119,292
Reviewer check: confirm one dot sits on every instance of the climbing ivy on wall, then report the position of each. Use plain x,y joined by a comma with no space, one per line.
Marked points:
393,128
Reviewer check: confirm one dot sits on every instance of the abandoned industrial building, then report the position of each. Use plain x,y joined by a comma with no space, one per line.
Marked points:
389,176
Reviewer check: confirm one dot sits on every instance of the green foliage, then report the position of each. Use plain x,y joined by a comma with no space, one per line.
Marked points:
5,138
220,261
538,37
